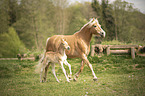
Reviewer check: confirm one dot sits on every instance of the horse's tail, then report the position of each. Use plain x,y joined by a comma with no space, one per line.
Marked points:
38,67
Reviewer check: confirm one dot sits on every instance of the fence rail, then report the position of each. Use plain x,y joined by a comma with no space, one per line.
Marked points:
28,58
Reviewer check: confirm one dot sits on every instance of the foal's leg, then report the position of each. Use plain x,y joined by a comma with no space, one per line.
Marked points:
66,63
53,71
41,72
45,75
44,64
61,63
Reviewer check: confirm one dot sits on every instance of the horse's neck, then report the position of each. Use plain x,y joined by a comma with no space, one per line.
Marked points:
85,34
61,50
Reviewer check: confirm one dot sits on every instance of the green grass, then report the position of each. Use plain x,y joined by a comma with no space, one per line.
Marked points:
117,76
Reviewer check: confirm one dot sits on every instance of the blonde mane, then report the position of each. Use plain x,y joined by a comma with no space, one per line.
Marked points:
90,23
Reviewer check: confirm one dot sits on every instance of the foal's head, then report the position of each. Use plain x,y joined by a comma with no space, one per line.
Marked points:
65,44
95,28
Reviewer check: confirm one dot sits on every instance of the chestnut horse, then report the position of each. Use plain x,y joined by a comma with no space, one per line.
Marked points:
79,44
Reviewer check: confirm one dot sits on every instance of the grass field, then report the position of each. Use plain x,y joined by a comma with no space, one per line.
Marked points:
117,76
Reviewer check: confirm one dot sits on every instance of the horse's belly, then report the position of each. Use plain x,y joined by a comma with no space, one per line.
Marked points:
72,54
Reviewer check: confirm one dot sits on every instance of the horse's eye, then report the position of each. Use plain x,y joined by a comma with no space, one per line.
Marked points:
95,26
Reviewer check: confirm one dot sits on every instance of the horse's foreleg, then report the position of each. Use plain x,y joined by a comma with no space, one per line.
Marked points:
53,71
61,63
91,67
81,69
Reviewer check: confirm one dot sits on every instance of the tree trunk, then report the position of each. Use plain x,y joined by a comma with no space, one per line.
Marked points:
35,29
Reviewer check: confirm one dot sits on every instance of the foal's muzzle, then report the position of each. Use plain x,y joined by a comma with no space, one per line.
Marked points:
68,48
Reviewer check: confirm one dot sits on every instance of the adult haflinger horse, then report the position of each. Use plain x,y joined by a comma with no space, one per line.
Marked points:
79,43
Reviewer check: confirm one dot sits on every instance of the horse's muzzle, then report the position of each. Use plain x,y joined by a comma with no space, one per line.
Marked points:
102,34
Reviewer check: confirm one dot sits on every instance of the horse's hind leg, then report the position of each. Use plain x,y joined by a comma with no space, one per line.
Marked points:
78,73
53,71
45,75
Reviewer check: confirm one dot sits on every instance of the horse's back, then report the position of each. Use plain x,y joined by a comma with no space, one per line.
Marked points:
54,42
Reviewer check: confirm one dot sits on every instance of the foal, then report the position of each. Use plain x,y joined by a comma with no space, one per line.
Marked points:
56,57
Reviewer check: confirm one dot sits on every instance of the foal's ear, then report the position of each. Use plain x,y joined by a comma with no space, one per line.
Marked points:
62,39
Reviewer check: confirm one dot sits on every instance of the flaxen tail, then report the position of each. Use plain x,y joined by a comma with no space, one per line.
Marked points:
39,66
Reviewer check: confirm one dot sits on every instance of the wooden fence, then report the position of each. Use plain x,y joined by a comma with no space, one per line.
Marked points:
115,49
21,57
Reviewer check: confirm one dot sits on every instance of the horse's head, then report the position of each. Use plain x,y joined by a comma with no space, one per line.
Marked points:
65,44
95,28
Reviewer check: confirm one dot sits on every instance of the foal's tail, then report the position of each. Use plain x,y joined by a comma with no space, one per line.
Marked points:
38,67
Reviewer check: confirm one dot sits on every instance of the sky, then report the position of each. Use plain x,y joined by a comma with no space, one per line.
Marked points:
139,4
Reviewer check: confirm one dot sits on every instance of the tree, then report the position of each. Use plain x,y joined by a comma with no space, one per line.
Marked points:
107,20
87,10
4,16
13,6
96,7
77,19
35,24
122,15
61,16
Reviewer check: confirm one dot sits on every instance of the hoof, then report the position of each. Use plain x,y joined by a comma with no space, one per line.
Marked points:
70,78
41,81
95,79
75,79
68,81
58,81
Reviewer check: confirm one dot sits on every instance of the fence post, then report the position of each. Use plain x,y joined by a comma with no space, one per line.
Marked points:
133,52
93,50
108,51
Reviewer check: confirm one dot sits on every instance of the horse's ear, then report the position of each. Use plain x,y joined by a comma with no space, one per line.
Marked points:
93,19
97,17
91,22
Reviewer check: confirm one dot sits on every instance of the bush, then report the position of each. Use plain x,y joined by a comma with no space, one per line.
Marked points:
113,42
11,44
